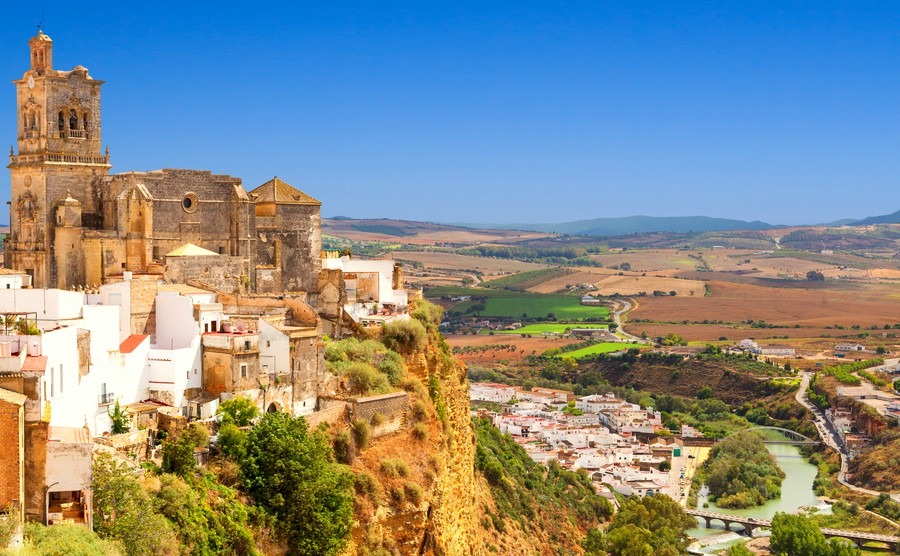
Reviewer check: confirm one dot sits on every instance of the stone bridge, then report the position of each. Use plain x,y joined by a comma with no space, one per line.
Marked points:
750,524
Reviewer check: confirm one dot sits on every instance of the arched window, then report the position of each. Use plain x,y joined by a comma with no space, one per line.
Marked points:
73,119
61,123
84,121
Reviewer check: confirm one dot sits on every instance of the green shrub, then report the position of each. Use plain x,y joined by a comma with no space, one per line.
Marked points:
67,539
232,441
378,419
366,484
420,431
393,467
344,448
419,411
361,433
393,367
427,312
415,387
405,336
413,493
365,379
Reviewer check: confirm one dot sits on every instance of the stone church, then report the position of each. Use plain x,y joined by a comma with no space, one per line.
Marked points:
73,224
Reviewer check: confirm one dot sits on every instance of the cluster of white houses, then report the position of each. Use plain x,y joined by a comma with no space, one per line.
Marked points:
612,439
166,353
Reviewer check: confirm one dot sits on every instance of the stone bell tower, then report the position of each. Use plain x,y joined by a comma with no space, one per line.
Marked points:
58,162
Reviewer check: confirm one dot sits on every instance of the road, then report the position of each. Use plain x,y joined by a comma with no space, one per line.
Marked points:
619,308
830,436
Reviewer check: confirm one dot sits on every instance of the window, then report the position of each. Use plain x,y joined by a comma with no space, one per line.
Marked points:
61,121
60,378
73,119
247,345
243,370
52,382
190,203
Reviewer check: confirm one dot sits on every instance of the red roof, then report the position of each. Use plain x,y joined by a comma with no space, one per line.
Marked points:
131,343
35,364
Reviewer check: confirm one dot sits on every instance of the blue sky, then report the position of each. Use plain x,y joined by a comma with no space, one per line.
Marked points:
787,112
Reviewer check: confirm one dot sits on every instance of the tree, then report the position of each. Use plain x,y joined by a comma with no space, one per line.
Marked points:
287,471
653,525
815,276
178,453
121,421
797,535
232,442
704,393
239,410
738,550
123,511
880,350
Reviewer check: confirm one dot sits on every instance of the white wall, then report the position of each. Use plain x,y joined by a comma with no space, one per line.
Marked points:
53,307
119,294
274,348
175,324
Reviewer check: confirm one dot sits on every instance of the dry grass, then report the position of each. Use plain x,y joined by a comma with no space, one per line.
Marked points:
634,285
466,263
522,347
821,307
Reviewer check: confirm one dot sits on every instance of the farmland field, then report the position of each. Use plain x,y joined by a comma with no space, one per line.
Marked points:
603,347
534,306
466,263
732,302
489,350
549,327
633,285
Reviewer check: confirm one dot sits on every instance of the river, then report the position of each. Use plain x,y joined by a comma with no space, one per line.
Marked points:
796,491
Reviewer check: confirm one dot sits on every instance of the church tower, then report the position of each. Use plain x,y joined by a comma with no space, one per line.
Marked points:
59,161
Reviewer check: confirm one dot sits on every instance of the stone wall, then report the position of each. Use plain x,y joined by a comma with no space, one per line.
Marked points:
392,407
12,454
221,272
290,240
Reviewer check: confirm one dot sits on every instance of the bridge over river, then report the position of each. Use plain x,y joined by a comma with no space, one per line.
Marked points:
750,524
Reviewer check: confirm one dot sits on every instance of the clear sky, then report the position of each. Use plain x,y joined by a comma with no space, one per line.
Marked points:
787,112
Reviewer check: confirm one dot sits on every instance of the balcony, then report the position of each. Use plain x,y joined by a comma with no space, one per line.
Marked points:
106,399
73,134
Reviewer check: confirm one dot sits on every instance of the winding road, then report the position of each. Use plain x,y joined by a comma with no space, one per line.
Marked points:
831,438
620,306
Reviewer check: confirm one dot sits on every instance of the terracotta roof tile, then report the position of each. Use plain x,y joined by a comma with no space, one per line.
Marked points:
131,343
34,364
279,192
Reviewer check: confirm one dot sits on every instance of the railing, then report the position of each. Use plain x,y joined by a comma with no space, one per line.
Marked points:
30,134
106,399
73,134
59,158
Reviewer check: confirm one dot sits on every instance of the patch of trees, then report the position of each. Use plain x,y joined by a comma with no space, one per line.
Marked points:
843,373
815,276
798,535
651,525
528,492
741,473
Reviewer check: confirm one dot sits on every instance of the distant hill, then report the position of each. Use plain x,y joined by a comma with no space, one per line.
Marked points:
640,225
883,219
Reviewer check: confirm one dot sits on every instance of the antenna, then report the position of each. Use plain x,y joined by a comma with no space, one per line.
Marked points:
40,25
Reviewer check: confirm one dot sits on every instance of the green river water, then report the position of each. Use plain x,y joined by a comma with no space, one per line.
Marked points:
796,491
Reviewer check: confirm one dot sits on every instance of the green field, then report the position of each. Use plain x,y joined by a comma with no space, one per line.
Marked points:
603,347
517,305
549,327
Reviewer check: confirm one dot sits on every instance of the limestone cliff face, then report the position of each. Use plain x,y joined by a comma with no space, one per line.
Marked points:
445,523
453,512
